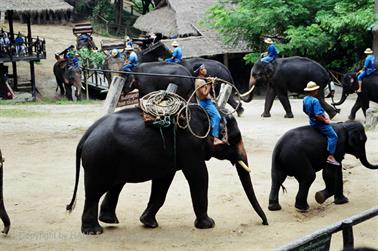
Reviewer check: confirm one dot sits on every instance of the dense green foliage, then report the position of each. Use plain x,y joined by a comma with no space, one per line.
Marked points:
333,32
89,58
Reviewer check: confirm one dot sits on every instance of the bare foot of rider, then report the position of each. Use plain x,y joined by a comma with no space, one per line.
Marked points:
331,160
217,141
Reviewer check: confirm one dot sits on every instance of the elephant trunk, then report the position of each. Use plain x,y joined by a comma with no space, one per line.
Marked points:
3,213
248,96
344,95
366,163
245,179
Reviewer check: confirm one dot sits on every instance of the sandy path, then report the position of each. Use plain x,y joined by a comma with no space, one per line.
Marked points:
39,178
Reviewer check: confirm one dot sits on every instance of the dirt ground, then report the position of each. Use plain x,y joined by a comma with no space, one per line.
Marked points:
39,142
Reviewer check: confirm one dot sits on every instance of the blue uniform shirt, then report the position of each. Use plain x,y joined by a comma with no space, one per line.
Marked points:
133,58
369,64
19,40
312,107
272,51
177,54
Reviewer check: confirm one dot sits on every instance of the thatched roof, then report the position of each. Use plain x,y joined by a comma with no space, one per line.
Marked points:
34,6
194,38
159,21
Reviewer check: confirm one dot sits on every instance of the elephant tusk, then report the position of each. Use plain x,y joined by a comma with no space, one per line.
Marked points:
244,166
248,92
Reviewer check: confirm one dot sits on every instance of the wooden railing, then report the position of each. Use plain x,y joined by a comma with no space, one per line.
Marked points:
29,50
320,240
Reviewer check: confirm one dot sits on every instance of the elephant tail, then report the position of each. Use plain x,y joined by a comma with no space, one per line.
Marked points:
283,188
71,206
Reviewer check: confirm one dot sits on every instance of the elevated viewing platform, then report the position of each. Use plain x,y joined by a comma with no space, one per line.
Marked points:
34,50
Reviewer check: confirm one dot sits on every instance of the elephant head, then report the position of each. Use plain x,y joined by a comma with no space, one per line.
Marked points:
113,64
261,73
3,213
235,152
72,77
350,85
356,140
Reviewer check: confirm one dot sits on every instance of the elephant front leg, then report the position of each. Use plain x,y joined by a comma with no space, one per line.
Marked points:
354,109
109,204
197,177
269,98
339,191
159,189
284,99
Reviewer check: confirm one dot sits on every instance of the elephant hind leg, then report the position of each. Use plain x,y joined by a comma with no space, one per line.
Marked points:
278,177
109,204
159,189
305,180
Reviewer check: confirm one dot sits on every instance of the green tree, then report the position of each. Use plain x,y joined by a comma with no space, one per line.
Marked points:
333,32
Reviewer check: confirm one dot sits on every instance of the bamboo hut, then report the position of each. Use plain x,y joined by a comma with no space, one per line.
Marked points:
35,48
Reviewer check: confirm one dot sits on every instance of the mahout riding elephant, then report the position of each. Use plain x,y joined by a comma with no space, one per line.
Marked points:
120,148
216,69
146,84
66,77
302,151
369,92
85,42
289,74
3,213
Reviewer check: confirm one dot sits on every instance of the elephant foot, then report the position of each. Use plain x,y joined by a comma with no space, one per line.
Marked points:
204,223
302,207
240,111
266,115
274,206
341,200
148,221
322,196
350,117
91,230
289,115
109,218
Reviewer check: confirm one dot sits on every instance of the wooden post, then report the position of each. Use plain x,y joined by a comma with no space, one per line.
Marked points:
30,41
114,93
348,240
32,79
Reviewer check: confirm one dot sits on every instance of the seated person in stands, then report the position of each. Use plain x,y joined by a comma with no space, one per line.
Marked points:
19,41
176,54
132,59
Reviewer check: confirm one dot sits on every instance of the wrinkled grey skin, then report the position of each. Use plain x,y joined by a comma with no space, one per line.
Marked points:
3,213
369,92
301,152
120,148
286,75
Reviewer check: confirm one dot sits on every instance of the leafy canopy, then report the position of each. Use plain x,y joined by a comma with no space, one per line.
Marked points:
332,32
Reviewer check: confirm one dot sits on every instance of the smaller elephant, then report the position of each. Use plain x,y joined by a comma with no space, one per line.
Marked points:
369,92
301,152
67,78
3,213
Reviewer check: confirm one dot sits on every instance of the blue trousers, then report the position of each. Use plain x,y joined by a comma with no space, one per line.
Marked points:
331,137
128,67
267,59
173,60
364,73
214,115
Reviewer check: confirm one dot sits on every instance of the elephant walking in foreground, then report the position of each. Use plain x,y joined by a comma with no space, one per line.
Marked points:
369,92
301,152
3,213
289,75
120,148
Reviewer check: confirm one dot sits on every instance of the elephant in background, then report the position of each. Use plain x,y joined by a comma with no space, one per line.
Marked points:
3,213
120,148
369,92
302,151
289,74
67,77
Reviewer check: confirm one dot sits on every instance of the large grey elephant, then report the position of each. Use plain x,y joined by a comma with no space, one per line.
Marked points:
369,92
66,78
301,152
120,148
289,75
3,213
